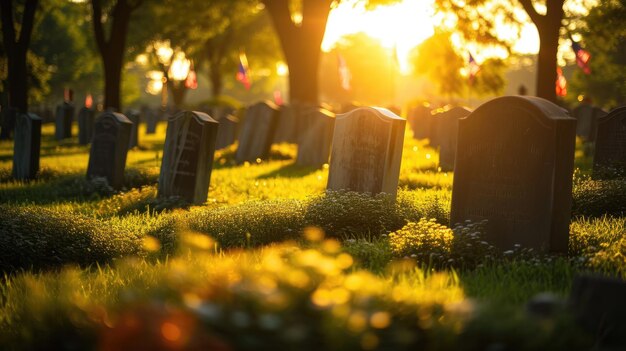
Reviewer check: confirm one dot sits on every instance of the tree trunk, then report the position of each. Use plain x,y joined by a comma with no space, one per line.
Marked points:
112,49
216,82
301,44
546,66
548,26
112,81
18,78
179,91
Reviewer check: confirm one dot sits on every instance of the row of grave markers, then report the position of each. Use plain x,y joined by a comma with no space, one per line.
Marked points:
607,134
513,162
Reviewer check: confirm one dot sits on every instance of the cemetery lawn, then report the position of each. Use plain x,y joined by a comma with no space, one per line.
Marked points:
272,259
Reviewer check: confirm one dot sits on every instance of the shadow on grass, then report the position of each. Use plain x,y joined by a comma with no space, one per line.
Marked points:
291,170
69,187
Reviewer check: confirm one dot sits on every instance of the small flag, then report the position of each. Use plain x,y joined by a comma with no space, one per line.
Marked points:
561,83
474,68
582,57
192,80
242,73
344,73
278,98
88,101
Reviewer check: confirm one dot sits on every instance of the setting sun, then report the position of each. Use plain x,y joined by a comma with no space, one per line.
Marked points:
403,25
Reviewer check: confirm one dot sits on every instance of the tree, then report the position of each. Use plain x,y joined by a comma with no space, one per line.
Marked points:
447,77
112,49
372,69
61,38
604,32
301,41
477,20
16,48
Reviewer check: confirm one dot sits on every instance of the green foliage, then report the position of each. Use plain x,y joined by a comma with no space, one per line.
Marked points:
596,198
436,245
604,34
599,244
32,237
251,223
439,48
352,214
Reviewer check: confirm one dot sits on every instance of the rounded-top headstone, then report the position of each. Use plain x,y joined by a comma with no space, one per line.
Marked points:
257,132
109,147
188,156
610,151
366,151
514,165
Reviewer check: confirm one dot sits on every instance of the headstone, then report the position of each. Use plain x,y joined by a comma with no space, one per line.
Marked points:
133,116
188,156
9,115
63,122
598,306
109,148
86,118
219,112
287,125
316,137
257,132
366,151
514,166
610,150
26,146
227,132
151,118
587,121
419,120
448,130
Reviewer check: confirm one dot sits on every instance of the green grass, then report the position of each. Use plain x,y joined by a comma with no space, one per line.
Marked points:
82,259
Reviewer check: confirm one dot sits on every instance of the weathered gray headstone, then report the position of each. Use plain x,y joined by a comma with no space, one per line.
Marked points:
151,118
257,132
188,156
63,123
514,166
227,132
27,146
419,119
86,118
366,151
610,151
597,304
109,148
448,130
587,121
134,117
316,137
287,125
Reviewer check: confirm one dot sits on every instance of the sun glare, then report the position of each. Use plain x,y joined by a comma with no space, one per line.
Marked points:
402,26
405,25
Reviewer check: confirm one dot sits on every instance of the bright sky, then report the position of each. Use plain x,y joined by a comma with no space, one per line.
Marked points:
404,25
